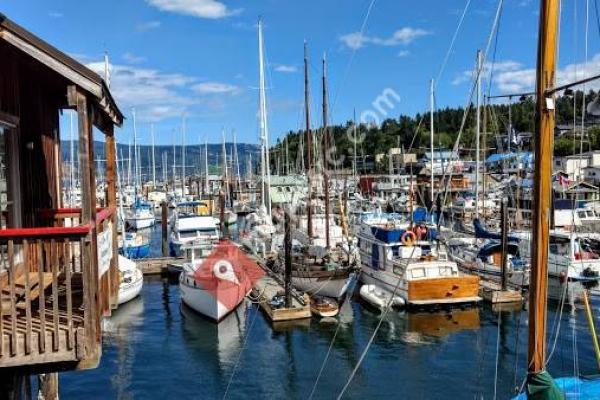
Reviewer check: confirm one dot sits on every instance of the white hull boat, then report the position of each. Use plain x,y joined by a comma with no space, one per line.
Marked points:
131,280
379,298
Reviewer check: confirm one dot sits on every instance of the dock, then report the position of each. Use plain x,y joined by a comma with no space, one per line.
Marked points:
266,288
492,293
158,265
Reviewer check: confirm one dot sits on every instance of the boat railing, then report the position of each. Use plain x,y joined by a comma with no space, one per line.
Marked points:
54,288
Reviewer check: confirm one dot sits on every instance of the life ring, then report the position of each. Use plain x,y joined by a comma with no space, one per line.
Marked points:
420,232
406,240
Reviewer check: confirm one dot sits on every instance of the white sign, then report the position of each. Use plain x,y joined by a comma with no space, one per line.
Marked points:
105,249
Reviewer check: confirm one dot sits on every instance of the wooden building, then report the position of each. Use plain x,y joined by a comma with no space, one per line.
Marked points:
58,271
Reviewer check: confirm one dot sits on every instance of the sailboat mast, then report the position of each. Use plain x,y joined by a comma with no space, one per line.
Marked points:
544,123
206,165
308,144
153,160
265,167
354,137
432,106
325,145
135,166
183,157
477,132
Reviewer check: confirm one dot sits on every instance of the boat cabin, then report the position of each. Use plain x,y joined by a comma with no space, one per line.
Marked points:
58,266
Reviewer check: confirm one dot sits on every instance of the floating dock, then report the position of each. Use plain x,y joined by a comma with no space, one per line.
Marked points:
492,293
266,288
159,265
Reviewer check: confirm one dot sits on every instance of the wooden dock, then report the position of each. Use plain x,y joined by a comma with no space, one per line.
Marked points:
266,288
492,292
157,266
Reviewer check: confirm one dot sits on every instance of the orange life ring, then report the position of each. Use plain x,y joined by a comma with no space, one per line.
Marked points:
406,240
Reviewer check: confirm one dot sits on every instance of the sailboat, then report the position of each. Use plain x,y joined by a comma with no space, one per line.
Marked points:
141,215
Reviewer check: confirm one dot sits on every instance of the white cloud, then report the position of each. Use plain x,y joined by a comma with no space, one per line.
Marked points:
133,59
215,88
402,36
403,53
155,95
147,26
513,77
211,9
55,14
286,68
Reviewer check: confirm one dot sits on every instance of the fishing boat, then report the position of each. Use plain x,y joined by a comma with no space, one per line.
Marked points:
131,280
403,263
215,286
189,223
141,215
134,246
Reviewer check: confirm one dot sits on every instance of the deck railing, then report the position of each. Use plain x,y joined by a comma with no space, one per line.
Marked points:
49,289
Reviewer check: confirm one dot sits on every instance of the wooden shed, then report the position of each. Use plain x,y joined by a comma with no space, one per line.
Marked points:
58,266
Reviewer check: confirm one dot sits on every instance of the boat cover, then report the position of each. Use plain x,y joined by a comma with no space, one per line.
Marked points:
481,233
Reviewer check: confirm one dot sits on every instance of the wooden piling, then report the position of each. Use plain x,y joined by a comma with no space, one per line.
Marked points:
164,227
288,259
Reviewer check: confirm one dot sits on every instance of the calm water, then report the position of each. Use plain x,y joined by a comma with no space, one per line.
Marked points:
154,349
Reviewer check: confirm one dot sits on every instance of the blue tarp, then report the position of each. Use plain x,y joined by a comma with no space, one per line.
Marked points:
481,233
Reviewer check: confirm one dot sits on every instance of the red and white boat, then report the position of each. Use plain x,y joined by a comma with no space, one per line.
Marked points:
216,285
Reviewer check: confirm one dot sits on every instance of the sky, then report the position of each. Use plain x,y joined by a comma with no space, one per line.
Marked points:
198,59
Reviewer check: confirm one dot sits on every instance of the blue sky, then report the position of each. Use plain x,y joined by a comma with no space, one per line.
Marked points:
199,57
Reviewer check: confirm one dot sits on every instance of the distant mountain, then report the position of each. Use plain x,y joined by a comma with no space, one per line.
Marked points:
194,157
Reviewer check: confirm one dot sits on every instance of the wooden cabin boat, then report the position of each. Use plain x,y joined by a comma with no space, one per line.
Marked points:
417,271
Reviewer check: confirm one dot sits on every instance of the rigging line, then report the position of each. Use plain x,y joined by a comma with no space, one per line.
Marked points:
446,58
497,355
469,98
597,16
352,55
239,357
368,346
312,392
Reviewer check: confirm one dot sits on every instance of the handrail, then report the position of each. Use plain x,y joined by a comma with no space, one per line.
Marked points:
45,232
60,231
52,212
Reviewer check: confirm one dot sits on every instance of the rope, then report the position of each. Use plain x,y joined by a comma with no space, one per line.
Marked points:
239,357
312,392
460,22
497,355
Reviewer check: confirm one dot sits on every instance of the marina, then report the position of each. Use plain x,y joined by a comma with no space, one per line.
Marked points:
440,251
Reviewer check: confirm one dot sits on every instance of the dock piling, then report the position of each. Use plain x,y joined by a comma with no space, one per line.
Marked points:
164,227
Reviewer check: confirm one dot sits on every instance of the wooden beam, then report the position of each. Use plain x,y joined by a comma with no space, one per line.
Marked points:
111,180
88,216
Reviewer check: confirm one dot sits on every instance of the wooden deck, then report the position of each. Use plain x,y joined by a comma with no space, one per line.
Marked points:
49,331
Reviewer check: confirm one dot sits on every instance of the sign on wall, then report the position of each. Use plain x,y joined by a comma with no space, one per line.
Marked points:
105,250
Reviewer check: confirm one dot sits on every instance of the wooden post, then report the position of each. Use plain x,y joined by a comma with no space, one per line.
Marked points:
164,228
288,259
504,222
222,213
544,123
48,386
88,216
111,181
308,145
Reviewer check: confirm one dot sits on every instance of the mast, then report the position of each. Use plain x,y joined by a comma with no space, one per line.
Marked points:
265,167
544,123
287,156
325,146
153,161
354,134
432,106
224,177
477,133
206,164
136,170
308,144
236,160
183,156
72,169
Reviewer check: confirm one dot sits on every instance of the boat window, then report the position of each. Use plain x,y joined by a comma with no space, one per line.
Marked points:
581,214
559,246
418,273
445,270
